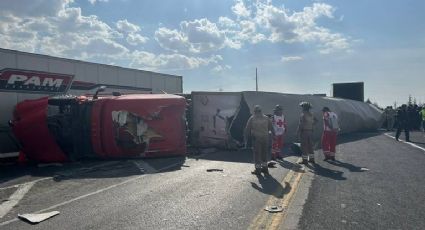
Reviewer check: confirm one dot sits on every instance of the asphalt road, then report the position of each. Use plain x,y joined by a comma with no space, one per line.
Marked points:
377,183
170,193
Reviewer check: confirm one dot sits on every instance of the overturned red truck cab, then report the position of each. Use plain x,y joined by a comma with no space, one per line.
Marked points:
65,128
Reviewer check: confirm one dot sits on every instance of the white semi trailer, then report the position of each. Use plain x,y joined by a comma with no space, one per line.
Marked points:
29,76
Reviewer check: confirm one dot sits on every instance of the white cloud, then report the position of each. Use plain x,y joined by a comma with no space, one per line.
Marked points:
125,26
136,39
54,27
171,39
227,22
94,1
291,58
300,26
143,59
133,37
33,8
195,36
221,68
240,9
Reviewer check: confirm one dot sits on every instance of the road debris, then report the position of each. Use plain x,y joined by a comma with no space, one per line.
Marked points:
274,209
364,169
215,170
35,218
271,164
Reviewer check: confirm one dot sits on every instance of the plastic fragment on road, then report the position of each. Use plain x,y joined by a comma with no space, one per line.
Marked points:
364,169
274,209
215,170
35,218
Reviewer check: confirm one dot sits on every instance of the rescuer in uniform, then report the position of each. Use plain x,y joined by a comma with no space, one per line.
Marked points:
422,113
390,117
402,122
279,127
305,133
258,129
330,131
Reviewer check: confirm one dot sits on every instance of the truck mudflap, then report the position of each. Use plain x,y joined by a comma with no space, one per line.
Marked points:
31,129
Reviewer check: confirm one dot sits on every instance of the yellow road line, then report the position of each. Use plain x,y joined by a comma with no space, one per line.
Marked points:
266,220
279,217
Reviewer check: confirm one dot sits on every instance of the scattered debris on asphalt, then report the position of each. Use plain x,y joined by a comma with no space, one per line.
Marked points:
274,209
271,164
215,170
35,218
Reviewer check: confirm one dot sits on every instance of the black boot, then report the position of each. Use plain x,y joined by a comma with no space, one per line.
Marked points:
304,161
256,172
265,170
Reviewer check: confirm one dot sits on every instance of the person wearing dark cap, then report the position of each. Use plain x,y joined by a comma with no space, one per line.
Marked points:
279,127
305,133
258,129
402,120
330,131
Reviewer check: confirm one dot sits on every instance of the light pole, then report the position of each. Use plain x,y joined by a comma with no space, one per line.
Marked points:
256,79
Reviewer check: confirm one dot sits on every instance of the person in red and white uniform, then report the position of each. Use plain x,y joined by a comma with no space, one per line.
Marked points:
279,127
330,131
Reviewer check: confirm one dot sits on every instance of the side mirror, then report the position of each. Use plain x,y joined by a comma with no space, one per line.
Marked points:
100,89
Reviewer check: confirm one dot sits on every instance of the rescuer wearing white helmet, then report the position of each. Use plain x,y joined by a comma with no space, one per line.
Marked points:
305,133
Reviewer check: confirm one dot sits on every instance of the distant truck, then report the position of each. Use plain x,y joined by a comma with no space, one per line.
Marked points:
65,128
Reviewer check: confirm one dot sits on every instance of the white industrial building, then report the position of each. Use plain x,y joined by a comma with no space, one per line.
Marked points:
28,76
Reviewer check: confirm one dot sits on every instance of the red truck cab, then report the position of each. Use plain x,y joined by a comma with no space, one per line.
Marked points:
69,128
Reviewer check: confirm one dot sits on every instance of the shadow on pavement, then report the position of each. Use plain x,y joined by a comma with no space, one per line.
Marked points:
90,169
289,165
325,172
346,165
351,137
242,156
269,185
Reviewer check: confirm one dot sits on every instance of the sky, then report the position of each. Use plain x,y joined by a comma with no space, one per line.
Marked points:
298,46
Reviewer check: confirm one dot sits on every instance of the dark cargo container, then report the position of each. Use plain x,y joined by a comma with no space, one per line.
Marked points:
353,91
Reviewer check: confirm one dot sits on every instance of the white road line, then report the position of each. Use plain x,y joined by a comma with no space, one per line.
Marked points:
14,199
68,172
409,143
144,167
9,155
90,194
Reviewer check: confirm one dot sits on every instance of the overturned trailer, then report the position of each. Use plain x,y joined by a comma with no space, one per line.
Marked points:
219,118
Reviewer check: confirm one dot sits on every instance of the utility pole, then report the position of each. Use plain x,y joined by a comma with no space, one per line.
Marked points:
256,79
